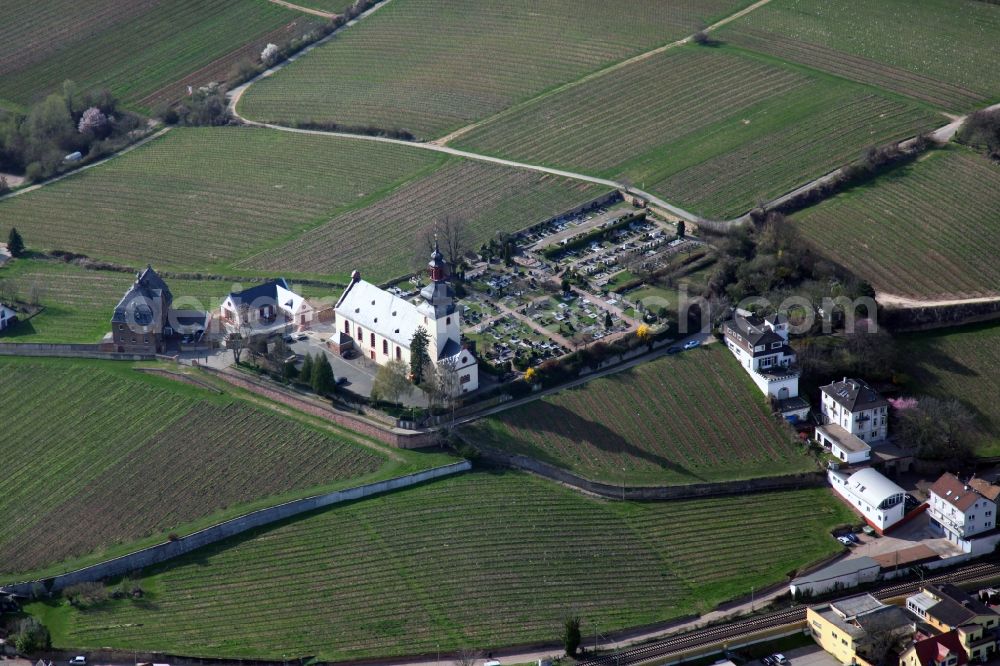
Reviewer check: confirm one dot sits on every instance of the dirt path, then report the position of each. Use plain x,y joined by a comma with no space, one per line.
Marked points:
300,8
594,75
906,302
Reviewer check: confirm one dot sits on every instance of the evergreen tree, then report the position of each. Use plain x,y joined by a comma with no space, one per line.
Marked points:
419,358
305,374
681,229
323,381
608,322
15,243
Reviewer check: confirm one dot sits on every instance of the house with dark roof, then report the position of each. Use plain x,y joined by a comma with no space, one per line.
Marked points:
846,628
962,510
8,316
857,408
761,346
140,322
269,307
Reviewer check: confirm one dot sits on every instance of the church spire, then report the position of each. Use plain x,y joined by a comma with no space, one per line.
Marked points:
437,264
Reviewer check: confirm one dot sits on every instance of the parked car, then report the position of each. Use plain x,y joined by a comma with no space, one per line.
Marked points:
691,344
78,660
768,661
186,340
844,540
673,350
301,336
853,537
289,338
780,659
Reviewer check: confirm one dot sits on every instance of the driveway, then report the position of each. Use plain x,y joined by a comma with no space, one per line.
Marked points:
916,532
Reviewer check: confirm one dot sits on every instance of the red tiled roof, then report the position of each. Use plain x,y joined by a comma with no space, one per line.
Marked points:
936,648
952,490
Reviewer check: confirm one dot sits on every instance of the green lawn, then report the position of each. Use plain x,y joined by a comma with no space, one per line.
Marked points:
960,363
682,419
926,231
715,130
117,456
931,50
431,66
79,302
478,561
135,48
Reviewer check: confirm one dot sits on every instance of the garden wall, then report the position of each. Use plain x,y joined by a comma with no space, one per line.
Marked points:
652,493
162,552
67,351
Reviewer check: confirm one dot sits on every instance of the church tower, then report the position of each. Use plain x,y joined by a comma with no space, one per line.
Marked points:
443,322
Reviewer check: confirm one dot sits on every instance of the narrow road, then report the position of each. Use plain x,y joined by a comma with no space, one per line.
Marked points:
300,8
889,300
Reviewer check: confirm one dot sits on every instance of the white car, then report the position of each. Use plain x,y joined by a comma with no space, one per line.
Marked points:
844,540
78,660
691,344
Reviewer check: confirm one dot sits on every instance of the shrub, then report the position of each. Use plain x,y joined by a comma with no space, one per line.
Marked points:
31,636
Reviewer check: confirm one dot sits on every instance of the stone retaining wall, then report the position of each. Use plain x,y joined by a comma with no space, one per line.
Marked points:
168,550
67,351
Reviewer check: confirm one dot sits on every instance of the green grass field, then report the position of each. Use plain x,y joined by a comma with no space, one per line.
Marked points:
227,200
930,50
79,302
430,66
963,364
489,198
715,130
127,456
476,561
926,231
204,197
683,419
135,48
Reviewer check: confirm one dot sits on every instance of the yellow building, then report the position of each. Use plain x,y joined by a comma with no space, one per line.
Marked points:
841,627
948,608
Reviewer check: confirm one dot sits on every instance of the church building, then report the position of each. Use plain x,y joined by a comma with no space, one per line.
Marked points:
381,325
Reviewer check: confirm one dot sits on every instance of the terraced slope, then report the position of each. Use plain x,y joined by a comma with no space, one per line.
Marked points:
681,419
489,198
476,561
931,50
136,48
962,364
128,456
204,197
929,231
430,66
715,130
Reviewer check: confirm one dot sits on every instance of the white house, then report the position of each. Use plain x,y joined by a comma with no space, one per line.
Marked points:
761,345
856,407
7,316
381,325
842,444
963,510
881,502
266,307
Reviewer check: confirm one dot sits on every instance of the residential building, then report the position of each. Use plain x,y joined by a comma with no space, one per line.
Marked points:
761,346
140,322
962,510
946,607
268,307
935,650
842,444
7,316
857,408
881,502
381,325
844,628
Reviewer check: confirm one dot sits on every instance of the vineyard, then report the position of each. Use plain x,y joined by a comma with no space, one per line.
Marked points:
79,302
684,419
204,197
476,561
132,47
737,129
930,50
430,66
128,456
963,364
927,231
489,198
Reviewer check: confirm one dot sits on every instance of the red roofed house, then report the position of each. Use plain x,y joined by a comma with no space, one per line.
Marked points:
941,650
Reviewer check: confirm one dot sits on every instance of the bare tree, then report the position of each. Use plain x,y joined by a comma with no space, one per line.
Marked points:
452,234
236,344
466,657
449,384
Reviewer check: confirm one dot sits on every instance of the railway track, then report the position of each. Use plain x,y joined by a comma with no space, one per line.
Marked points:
743,628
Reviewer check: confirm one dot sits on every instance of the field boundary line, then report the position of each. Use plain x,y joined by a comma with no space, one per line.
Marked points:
172,549
127,149
300,8
645,55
